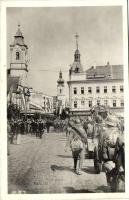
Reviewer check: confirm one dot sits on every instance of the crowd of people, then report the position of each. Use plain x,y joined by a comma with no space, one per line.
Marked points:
77,129
34,127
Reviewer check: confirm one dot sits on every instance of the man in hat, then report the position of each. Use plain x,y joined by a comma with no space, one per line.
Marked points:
76,145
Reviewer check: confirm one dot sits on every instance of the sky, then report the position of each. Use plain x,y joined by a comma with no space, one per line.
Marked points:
50,36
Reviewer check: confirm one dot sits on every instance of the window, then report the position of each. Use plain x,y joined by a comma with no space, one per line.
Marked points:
98,102
114,89
105,89
90,104
114,103
89,90
121,88
75,104
97,89
75,90
82,90
60,91
105,102
17,55
82,102
76,69
122,103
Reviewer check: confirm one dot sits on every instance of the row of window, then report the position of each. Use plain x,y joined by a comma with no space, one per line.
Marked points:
98,102
105,89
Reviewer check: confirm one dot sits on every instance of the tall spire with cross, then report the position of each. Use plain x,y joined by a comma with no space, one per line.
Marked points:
76,36
77,53
76,66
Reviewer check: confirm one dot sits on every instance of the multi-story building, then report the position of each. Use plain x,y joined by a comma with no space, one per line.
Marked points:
100,85
41,102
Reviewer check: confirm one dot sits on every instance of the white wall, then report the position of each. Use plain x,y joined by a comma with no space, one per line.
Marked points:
118,96
45,101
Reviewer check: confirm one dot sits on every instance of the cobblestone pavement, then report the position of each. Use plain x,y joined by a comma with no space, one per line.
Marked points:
42,166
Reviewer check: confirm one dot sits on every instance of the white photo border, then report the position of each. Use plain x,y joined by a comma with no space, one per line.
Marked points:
3,107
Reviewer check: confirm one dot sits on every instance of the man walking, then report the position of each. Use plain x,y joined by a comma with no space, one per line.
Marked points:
77,152
77,144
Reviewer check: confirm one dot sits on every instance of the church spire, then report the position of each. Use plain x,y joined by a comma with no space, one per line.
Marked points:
77,53
76,66
19,38
76,36
19,33
60,74
60,80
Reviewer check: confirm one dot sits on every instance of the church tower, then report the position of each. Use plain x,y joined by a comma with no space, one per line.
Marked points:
19,57
76,66
60,90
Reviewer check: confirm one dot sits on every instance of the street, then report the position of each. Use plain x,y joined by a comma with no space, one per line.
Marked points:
38,166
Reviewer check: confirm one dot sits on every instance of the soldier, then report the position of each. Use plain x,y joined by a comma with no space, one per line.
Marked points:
85,125
68,130
36,127
74,140
90,129
48,125
12,125
33,125
77,152
40,128
9,134
22,126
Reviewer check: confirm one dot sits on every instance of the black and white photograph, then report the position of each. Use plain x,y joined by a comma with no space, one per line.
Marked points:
65,98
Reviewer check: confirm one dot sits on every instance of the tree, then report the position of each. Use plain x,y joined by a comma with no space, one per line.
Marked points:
12,111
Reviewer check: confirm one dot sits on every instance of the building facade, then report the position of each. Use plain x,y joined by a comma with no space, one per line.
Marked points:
40,102
17,90
100,85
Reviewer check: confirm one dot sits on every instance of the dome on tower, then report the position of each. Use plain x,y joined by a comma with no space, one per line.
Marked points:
60,80
18,33
77,51
19,39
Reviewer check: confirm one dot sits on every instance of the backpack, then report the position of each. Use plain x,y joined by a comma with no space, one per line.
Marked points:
90,128
76,145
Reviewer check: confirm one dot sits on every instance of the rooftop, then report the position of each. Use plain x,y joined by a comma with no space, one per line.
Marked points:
105,72
19,39
19,33
60,80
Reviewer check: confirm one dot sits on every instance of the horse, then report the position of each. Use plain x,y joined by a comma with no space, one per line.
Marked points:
116,176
